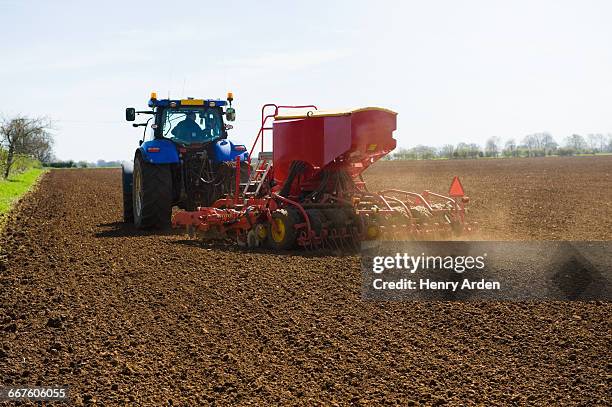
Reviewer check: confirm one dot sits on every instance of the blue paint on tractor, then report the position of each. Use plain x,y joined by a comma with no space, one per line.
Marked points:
225,150
179,103
163,151
159,151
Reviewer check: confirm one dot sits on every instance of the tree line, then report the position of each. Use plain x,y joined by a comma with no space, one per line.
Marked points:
27,141
83,164
532,145
24,142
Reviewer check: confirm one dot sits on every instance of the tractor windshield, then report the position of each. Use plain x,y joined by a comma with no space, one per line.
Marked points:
192,125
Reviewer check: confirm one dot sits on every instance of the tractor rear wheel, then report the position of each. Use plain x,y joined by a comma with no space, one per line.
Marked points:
282,234
127,173
152,194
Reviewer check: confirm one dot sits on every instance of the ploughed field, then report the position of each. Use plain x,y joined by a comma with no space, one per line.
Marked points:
552,198
123,316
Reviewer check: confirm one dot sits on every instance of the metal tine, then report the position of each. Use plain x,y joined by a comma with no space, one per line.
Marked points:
335,240
342,242
328,243
356,239
308,244
325,243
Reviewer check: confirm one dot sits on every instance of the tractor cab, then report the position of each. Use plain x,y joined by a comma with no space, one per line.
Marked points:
187,122
191,121
192,125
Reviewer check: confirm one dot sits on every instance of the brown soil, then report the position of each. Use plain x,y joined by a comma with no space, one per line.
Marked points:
128,317
518,199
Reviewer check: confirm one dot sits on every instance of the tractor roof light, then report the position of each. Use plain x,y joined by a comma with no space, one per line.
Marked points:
154,95
192,102
230,96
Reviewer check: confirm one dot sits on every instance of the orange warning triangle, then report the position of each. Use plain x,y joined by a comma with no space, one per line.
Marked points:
456,189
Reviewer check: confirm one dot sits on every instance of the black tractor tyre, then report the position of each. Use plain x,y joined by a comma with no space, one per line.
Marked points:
152,193
284,237
127,172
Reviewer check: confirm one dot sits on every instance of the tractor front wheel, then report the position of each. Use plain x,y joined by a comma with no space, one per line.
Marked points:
282,233
152,194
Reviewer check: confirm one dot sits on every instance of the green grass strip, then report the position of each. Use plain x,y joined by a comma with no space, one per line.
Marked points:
17,185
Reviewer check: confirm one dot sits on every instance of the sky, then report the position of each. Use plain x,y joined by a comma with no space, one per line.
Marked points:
453,70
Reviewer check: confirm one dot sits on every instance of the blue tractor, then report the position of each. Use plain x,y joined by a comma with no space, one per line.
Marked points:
184,160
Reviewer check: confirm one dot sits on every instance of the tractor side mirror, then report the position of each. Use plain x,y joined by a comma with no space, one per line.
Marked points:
130,114
230,114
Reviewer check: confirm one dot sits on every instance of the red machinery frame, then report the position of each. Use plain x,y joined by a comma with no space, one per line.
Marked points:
239,214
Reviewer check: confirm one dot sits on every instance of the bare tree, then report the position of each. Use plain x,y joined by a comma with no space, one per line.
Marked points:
41,147
548,143
576,141
510,148
401,154
424,152
532,143
597,142
538,144
24,135
461,150
492,147
474,150
447,150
